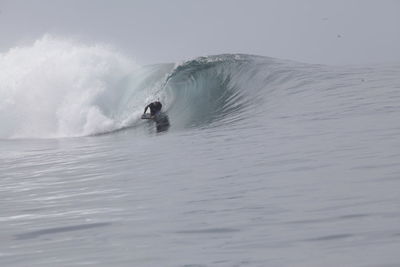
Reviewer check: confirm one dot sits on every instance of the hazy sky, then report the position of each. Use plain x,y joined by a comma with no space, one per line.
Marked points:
316,31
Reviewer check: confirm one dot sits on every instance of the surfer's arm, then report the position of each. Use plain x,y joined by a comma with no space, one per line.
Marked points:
145,109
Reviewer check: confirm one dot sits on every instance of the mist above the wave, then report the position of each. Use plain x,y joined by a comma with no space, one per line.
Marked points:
59,87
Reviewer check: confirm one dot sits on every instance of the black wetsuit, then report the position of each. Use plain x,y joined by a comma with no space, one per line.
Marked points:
154,108
162,121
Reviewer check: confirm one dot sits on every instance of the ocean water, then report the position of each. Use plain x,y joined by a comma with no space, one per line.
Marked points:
266,162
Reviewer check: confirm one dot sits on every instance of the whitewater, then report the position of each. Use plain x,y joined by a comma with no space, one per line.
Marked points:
267,162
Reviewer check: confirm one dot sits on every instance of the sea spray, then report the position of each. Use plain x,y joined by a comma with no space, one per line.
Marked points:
59,87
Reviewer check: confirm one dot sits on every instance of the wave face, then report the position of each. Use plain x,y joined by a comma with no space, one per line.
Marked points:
61,88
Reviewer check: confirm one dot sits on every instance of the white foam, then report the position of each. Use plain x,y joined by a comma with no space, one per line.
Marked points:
59,87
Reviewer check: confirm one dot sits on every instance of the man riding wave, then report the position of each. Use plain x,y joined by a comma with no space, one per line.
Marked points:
155,108
161,119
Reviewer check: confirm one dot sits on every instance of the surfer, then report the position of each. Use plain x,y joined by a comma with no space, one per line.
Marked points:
161,119
155,107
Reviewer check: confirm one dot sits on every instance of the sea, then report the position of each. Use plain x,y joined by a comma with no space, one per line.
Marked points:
266,162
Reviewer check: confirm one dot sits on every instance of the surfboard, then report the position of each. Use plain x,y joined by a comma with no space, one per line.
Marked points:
147,116
161,119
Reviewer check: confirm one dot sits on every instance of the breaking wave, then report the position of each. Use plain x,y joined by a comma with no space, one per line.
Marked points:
63,88
58,88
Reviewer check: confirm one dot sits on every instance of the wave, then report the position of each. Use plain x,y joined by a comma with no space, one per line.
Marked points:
63,88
